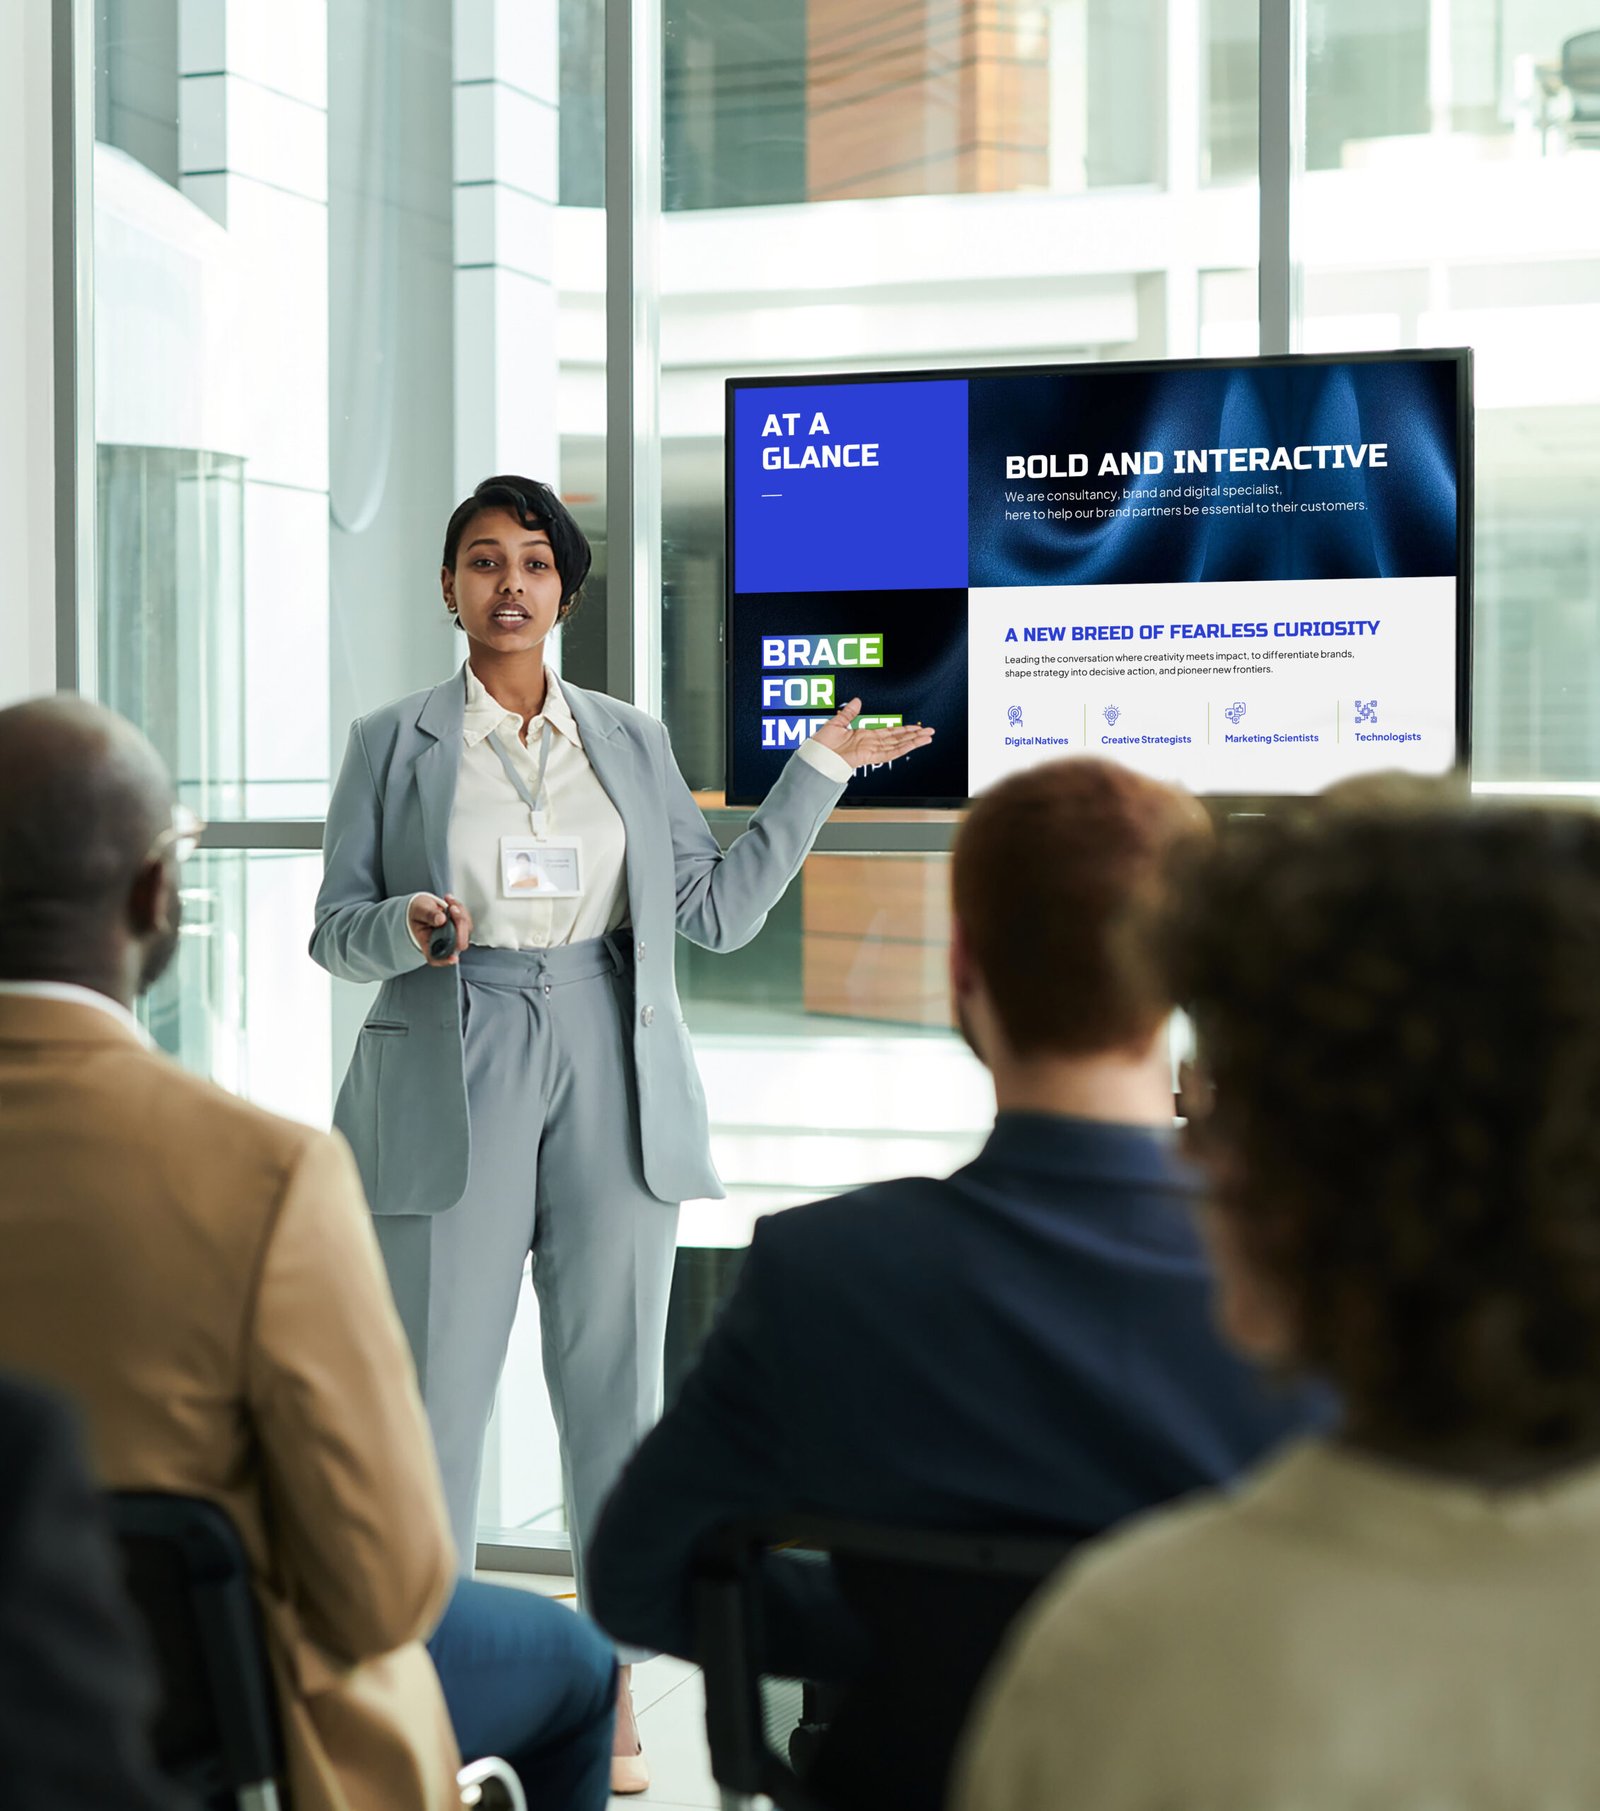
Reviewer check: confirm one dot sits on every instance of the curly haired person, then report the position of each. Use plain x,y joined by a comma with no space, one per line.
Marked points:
1397,1005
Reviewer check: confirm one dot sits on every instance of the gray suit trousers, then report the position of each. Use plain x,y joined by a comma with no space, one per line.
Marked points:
556,1170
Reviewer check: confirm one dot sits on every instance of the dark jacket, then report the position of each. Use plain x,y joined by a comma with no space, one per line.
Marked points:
76,1689
1028,1344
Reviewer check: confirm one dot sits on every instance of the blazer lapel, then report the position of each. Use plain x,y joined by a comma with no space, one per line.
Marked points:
612,758
436,769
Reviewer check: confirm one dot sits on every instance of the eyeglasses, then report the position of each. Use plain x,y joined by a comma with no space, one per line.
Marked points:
181,837
1196,1093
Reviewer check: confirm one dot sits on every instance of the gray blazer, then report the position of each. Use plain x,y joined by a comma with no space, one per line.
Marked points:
403,1105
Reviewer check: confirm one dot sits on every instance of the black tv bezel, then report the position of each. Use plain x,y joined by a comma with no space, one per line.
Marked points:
1218,803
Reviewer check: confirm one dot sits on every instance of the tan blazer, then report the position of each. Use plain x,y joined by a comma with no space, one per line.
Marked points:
202,1277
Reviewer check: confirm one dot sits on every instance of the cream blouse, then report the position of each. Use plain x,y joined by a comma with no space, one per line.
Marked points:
487,808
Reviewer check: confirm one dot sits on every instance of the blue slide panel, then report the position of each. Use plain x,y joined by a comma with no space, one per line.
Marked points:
850,487
902,653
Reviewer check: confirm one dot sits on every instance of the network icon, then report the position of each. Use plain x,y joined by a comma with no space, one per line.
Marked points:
1111,715
1234,713
1367,712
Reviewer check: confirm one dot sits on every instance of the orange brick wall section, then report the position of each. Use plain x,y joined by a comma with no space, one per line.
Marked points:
924,97
876,937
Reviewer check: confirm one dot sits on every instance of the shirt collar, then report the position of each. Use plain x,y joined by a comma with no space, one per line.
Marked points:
485,713
73,995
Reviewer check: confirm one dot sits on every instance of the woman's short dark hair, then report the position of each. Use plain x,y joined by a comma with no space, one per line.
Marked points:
534,505
1397,1003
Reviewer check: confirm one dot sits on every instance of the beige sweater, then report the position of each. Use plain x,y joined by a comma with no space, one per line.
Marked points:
1341,1635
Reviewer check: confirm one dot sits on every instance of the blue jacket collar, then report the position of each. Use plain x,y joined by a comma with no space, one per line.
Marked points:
1058,1145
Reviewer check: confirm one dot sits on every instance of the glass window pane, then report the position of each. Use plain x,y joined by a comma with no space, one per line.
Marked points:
781,102
1367,65
925,188
936,187
1232,107
1453,198
242,1001
327,271
826,1045
136,81
170,523
329,268
1230,317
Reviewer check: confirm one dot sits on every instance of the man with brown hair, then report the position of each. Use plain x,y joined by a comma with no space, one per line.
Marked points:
1026,1344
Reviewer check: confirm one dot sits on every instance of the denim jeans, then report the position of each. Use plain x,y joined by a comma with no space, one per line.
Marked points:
533,1682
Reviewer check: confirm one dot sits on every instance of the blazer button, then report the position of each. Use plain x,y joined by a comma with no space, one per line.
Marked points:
638,951
648,1016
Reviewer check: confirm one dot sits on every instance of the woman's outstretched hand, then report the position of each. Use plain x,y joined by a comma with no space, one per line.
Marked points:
869,747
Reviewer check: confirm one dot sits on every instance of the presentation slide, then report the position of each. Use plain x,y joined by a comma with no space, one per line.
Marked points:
1245,577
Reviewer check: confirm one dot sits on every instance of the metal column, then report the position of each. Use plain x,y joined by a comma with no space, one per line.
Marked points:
1281,141
72,182
633,363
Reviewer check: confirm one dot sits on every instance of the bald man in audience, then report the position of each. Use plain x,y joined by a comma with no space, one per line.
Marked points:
201,1277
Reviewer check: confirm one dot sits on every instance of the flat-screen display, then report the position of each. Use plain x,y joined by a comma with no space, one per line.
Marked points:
1252,577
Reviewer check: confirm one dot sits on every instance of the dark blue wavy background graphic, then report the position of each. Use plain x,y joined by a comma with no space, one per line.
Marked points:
1406,530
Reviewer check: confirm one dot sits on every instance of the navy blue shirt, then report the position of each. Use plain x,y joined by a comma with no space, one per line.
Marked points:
1027,1344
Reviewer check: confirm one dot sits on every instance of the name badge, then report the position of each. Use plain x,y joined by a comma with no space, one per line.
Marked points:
533,869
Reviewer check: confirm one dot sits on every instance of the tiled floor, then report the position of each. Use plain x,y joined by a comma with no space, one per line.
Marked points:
671,1709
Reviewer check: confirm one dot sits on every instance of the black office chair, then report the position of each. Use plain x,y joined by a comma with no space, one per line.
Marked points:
217,1731
1580,76
933,1607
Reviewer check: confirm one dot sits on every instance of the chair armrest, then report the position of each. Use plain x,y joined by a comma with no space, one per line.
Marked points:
726,1589
490,1785
1022,1554
726,1596
723,1589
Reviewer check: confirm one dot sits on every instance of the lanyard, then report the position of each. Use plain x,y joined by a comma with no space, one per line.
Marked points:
537,801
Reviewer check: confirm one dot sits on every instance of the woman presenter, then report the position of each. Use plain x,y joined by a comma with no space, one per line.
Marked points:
512,857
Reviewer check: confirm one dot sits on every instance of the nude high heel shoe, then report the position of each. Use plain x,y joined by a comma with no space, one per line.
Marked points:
629,1774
